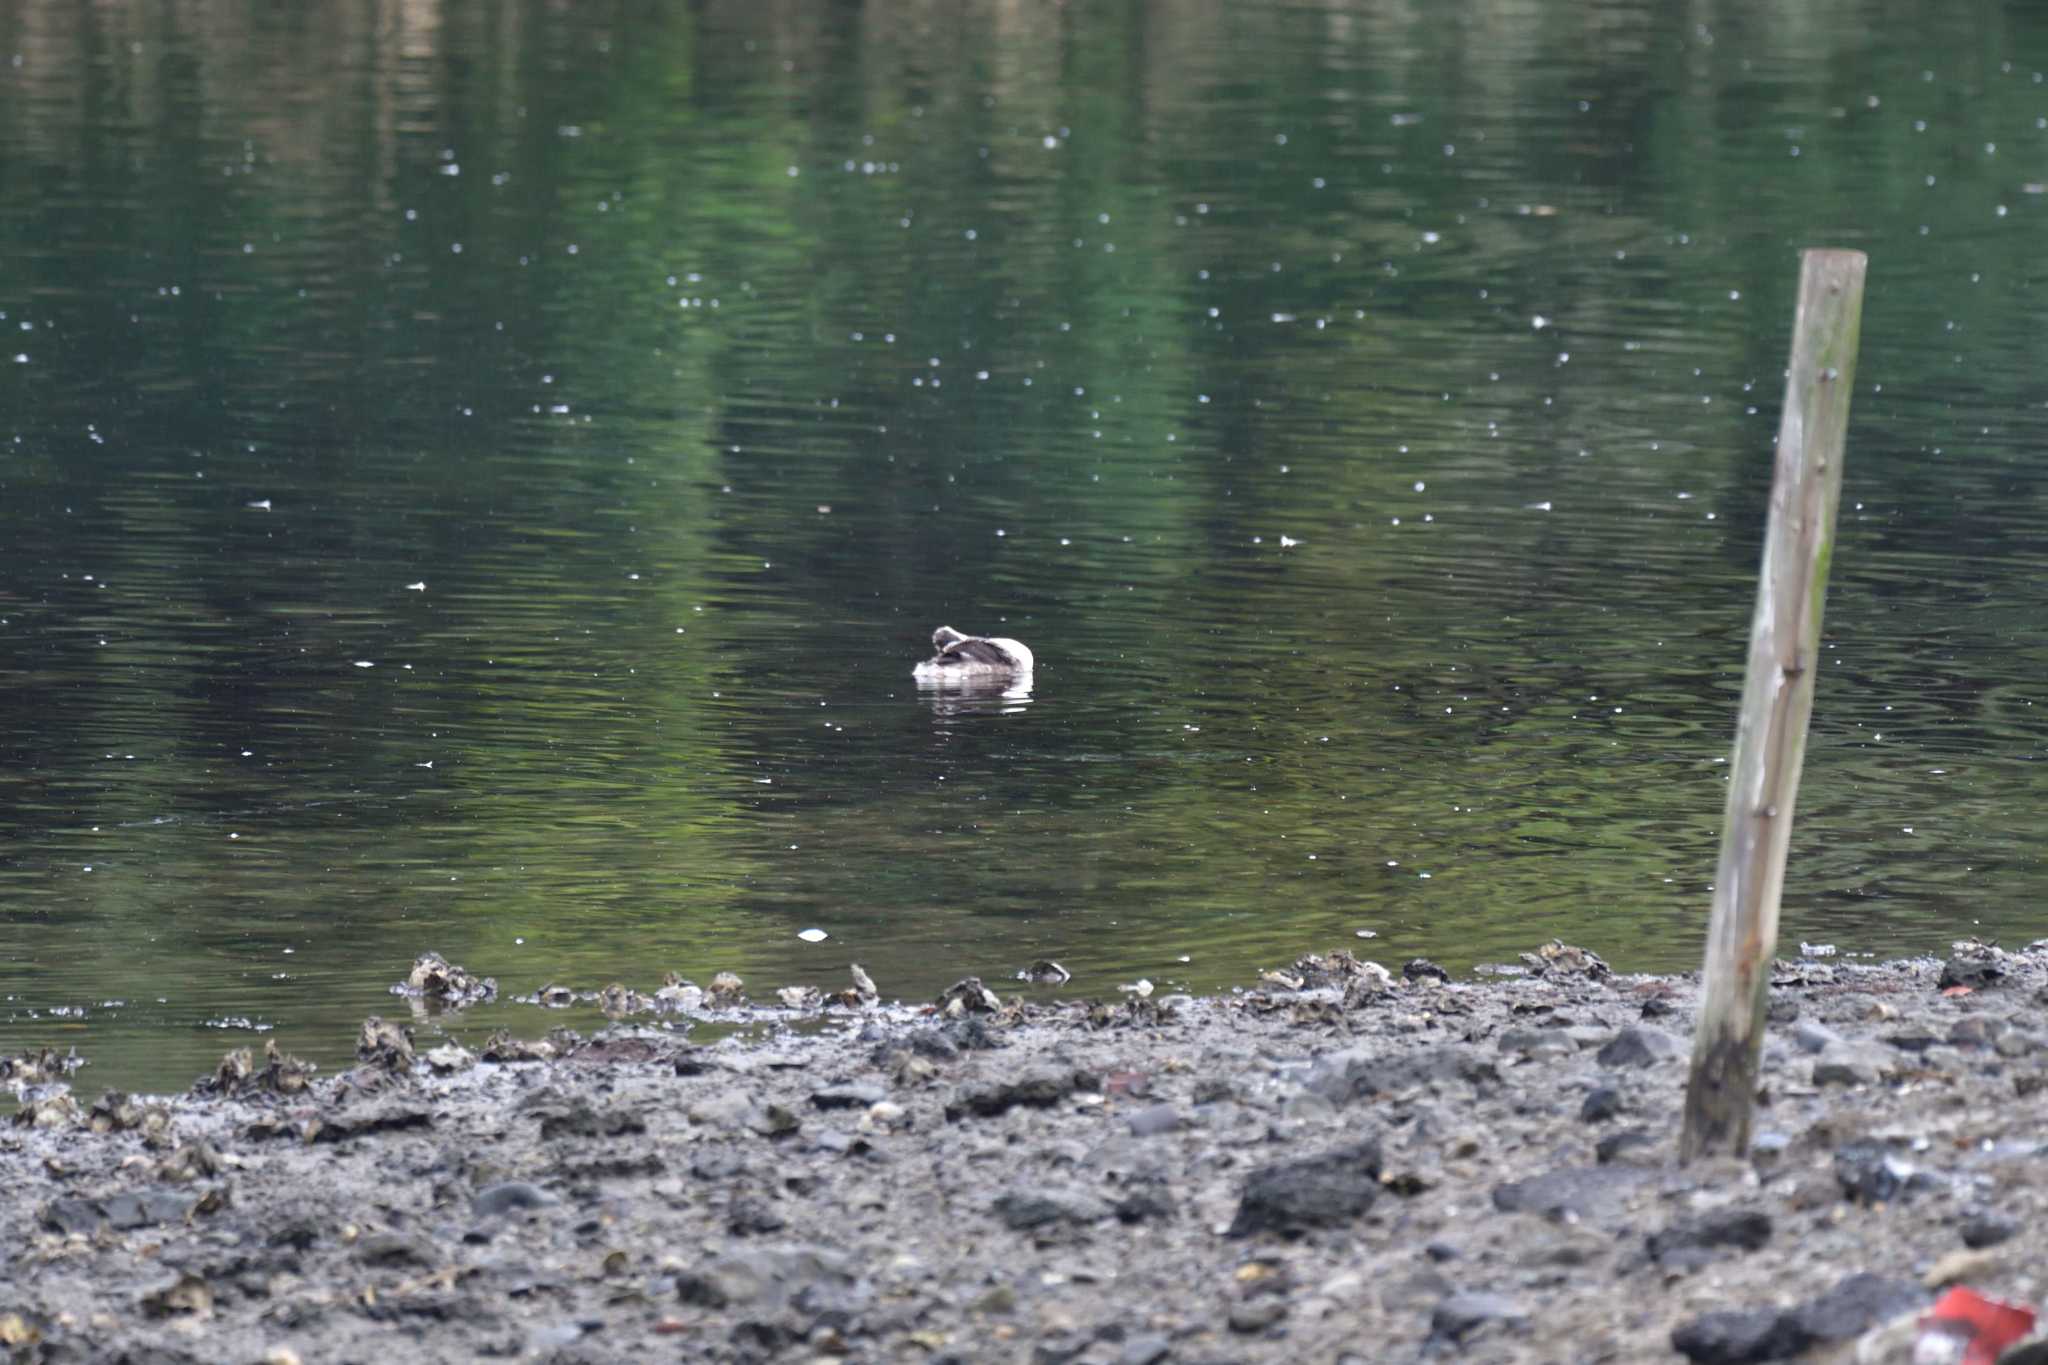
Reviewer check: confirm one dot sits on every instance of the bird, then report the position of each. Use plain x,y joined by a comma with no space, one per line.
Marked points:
973,660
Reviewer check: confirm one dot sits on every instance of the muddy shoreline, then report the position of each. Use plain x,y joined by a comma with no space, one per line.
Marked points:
1336,1163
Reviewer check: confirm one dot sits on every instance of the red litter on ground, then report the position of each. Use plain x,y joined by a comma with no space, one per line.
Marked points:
1980,1327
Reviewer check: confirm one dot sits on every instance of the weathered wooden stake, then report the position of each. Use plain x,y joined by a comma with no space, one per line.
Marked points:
1777,697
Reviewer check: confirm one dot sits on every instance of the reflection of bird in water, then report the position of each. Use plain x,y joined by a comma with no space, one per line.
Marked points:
974,661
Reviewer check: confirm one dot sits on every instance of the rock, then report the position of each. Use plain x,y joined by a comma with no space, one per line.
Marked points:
1574,1191
1147,1348
1846,1063
1971,971
1640,1045
1988,1229
79,1216
1341,1077
1153,1120
146,1210
1025,1209
1868,1172
1811,1036
1546,1043
587,1121
188,1295
1614,1147
509,1196
1732,1337
1852,1307
1319,1191
779,1295
728,1109
853,1095
1459,1315
384,1118
1602,1103
1249,1318
773,1120
1037,1087
395,1249
1692,1242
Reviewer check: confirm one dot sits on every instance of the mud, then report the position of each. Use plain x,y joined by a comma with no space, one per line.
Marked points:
1338,1163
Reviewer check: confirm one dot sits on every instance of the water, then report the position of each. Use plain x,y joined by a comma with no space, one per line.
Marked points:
478,479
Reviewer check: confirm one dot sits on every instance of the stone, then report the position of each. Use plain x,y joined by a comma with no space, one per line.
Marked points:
727,1109
509,1196
853,1095
1037,1087
1025,1209
1355,1073
1692,1242
1640,1045
1731,1337
81,1216
1614,1146
1868,1172
1256,1316
395,1249
1153,1120
1459,1315
1570,1191
1971,971
1853,1306
1319,1191
1812,1036
1602,1103
1147,1348
1544,1043
588,1121
146,1210
1988,1229
1846,1063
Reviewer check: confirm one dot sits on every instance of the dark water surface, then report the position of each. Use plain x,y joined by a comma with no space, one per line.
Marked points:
476,477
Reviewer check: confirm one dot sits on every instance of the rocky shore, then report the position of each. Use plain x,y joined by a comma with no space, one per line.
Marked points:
1337,1163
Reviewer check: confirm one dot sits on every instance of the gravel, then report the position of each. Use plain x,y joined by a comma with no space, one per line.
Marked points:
1340,1163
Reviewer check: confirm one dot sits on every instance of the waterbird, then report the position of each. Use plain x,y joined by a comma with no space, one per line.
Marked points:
964,659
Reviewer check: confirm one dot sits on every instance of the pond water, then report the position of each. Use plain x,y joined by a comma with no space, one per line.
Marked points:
478,478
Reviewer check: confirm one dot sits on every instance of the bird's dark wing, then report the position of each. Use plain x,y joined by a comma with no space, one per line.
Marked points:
974,649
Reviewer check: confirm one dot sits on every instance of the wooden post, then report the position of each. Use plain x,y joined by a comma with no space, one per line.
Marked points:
1777,697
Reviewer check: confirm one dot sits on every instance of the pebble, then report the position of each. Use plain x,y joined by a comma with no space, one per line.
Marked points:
1602,1103
1640,1045
1460,1314
1037,1207
1319,1191
1988,1229
508,1196
1153,1120
1869,1172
